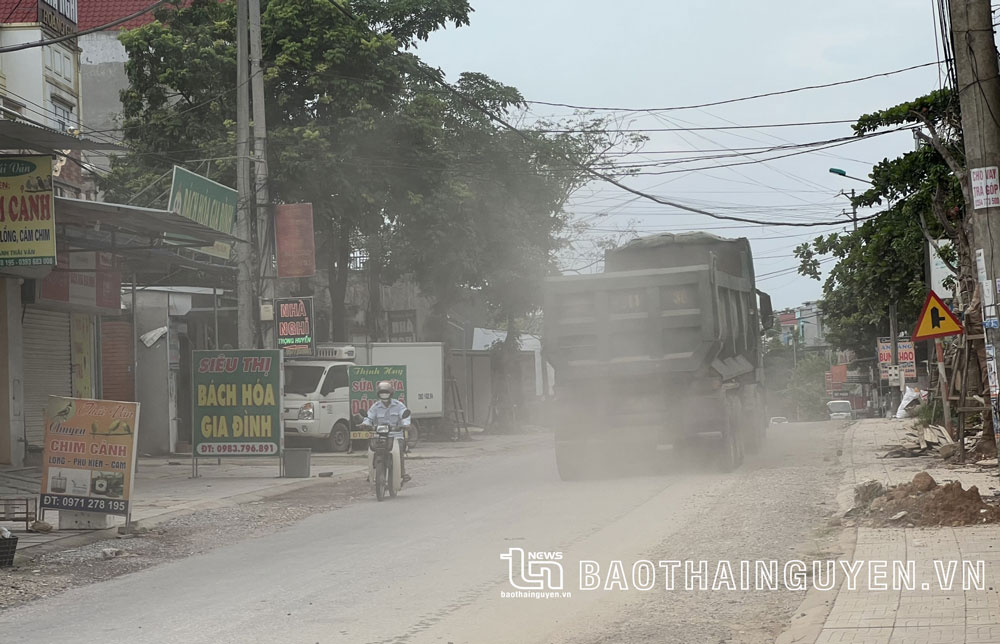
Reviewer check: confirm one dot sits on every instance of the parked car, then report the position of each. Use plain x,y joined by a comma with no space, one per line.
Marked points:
778,420
316,404
840,410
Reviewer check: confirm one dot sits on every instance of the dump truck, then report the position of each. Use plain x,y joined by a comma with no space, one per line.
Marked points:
661,352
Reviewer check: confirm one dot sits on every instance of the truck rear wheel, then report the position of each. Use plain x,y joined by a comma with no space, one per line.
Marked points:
731,450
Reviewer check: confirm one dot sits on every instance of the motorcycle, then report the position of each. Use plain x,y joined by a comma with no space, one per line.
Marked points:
384,459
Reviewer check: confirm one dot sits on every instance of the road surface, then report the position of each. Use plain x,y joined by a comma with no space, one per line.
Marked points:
426,567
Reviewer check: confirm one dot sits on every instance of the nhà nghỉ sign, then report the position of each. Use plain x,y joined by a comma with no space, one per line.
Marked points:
363,382
206,202
89,455
27,212
293,319
237,403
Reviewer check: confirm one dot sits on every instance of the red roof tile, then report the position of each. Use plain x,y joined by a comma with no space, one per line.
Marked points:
14,11
94,13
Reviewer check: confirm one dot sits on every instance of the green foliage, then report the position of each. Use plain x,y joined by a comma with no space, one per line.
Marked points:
356,126
807,388
883,261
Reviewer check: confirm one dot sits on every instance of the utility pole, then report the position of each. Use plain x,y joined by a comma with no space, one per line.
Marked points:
246,297
894,387
262,201
978,90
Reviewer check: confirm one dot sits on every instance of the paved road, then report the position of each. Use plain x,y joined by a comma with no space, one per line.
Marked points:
426,566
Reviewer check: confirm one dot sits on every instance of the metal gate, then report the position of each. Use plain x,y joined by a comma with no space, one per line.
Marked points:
48,366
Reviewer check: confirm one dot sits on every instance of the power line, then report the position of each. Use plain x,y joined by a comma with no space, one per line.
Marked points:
734,100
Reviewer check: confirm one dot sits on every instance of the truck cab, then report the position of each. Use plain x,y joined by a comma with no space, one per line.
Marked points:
315,406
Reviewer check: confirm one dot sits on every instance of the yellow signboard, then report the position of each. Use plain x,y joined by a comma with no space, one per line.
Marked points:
27,212
89,455
936,320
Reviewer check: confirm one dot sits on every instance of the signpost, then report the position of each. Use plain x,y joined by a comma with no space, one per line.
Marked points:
935,322
89,455
363,382
27,212
293,318
237,404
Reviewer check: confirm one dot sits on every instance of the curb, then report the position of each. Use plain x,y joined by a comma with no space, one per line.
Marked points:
30,553
810,616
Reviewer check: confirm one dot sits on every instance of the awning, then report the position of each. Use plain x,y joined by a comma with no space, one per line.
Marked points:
150,223
157,246
17,135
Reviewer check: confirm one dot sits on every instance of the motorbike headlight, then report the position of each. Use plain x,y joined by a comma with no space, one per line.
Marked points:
306,412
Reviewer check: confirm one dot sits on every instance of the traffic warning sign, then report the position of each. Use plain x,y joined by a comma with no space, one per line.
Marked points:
936,320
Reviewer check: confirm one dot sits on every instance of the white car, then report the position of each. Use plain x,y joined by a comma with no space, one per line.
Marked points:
840,410
316,403
778,420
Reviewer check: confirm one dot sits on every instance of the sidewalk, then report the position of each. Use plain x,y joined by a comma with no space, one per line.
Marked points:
164,487
928,614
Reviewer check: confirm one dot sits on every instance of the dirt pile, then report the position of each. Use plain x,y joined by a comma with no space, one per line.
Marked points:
922,502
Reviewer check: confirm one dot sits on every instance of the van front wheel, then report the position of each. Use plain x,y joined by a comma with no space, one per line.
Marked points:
340,437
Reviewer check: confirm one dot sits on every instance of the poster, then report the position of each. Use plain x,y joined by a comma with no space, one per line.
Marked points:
294,240
884,357
363,381
906,357
985,187
237,403
293,320
27,212
89,455
206,202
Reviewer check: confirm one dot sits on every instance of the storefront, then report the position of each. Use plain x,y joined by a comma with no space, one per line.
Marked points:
60,328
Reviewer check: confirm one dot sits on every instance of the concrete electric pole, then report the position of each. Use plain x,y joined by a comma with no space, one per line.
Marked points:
979,95
262,203
245,253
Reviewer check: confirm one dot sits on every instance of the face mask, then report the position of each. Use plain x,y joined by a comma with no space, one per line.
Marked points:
385,396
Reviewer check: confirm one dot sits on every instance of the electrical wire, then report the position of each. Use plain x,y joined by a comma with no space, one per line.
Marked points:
733,100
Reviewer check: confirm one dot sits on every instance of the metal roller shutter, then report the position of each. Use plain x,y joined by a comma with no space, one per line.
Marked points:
48,366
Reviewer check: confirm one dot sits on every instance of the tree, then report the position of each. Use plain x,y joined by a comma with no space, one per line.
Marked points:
883,261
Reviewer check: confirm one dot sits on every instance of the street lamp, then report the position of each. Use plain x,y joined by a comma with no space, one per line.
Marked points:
854,207
842,173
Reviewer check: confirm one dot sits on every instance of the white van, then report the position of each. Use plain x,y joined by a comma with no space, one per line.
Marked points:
840,410
316,404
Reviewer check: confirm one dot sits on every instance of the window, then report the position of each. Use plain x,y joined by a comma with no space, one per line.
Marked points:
336,378
62,116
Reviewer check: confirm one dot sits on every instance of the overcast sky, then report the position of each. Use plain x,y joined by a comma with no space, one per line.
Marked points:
648,54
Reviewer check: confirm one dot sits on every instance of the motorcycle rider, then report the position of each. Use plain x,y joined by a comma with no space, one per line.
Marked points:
389,411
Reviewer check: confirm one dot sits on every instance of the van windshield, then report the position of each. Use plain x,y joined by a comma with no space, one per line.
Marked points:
838,406
302,379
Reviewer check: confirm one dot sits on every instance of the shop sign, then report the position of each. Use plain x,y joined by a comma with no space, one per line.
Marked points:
295,240
27,212
89,455
83,281
293,319
206,202
363,381
237,403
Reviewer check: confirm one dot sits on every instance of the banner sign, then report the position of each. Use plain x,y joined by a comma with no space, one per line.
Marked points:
89,455
206,202
293,319
363,381
92,283
27,212
905,354
237,403
294,240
